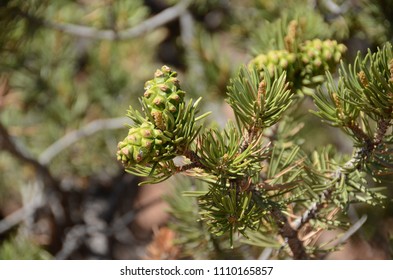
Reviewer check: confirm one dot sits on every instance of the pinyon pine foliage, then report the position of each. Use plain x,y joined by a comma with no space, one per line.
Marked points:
255,183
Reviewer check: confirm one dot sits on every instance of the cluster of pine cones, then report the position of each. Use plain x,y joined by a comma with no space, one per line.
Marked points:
161,100
312,59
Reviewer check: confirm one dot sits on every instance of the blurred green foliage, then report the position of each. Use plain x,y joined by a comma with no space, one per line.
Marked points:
21,248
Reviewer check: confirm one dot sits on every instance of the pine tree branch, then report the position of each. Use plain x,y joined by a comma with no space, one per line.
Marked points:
72,241
19,215
142,28
54,197
7,144
268,187
289,234
325,196
360,134
312,211
188,167
335,8
195,161
354,163
382,127
76,135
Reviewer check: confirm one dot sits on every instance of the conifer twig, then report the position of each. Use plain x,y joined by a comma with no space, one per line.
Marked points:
312,212
290,235
76,135
19,215
324,197
382,127
353,164
195,161
44,176
144,27
7,144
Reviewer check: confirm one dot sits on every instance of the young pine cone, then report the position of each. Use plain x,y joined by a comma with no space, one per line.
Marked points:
319,56
162,98
141,146
280,59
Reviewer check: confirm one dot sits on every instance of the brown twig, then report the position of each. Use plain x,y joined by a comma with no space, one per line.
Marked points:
382,127
7,144
195,161
268,187
188,167
52,190
289,234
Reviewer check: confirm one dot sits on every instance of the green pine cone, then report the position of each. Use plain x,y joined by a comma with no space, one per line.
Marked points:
162,98
275,59
142,145
319,56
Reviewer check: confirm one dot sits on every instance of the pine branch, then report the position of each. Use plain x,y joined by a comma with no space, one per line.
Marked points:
53,195
72,241
269,187
76,135
195,161
312,211
6,143
360,134
363,91
382,127
142,28
289,234
19,215
355,163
